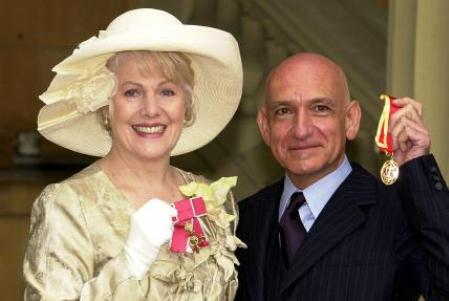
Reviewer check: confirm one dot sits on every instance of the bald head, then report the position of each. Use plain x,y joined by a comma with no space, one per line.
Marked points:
310,67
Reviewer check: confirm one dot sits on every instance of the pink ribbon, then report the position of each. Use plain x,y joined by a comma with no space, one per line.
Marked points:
189,210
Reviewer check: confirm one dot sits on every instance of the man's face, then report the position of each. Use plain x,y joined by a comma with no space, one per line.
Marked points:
305,120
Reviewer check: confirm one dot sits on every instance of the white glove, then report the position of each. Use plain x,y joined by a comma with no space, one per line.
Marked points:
151,227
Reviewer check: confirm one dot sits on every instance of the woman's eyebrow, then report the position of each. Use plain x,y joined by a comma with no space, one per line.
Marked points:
129,82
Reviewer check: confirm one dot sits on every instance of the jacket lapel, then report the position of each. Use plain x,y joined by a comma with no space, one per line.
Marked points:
341,216
265,213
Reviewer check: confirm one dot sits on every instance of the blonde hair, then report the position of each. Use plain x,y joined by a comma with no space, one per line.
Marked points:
174,66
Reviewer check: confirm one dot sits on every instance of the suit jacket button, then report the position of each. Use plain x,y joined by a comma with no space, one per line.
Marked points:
433,169
438,186
436,178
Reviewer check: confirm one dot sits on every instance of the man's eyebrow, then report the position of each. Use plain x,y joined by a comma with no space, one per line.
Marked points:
317,100
276,103
322,100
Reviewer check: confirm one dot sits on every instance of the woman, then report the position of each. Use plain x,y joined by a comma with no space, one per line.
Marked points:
147,88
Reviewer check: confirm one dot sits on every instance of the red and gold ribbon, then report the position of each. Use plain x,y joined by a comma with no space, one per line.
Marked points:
383,136
188,234
389,171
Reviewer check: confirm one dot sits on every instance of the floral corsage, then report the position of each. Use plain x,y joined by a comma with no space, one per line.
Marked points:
208,200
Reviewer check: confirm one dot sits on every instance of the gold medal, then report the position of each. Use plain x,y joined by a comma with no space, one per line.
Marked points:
389,172
195,241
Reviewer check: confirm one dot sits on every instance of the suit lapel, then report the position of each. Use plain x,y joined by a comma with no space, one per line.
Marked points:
340,217
265,213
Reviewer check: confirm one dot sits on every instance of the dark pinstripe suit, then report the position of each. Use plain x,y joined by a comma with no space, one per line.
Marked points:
365,245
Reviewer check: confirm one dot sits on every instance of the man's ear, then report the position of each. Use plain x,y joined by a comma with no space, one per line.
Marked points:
352,119
262,122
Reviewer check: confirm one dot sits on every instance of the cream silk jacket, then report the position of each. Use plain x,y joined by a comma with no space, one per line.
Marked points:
77,233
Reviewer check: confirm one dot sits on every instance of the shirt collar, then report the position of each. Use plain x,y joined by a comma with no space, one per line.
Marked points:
318,194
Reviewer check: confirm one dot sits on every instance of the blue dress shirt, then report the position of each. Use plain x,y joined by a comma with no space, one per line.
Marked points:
317,195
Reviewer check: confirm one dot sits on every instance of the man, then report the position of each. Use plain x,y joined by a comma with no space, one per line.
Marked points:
349,237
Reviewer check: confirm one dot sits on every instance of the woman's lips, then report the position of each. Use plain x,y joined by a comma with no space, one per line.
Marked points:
149,130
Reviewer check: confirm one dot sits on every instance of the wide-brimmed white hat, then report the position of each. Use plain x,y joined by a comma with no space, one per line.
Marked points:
80,87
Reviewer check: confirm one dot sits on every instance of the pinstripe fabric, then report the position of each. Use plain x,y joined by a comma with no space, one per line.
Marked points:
363,245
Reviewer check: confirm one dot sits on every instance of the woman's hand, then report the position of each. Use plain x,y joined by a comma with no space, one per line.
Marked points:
151,227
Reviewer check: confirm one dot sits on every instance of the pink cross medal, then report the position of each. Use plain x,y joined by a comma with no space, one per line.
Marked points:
188,234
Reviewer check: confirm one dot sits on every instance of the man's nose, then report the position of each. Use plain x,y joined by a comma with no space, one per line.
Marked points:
303,124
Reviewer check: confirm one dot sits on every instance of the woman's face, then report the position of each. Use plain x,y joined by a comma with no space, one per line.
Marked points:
147,111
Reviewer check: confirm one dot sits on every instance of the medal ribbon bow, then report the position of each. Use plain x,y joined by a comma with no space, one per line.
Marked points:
188,234
383,136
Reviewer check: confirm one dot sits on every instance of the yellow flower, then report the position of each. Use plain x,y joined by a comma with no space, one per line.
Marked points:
214,194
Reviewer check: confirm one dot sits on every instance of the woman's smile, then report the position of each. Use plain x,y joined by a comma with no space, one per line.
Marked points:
154,130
